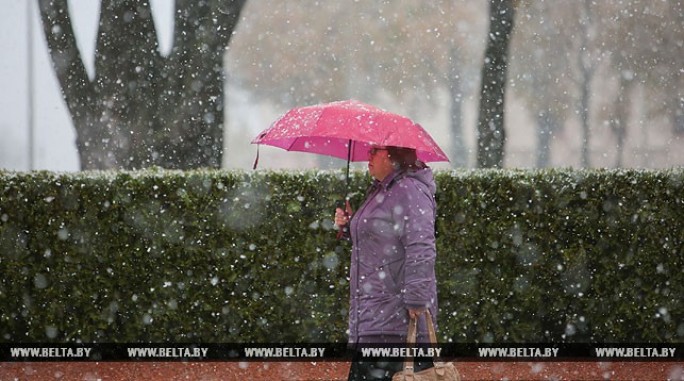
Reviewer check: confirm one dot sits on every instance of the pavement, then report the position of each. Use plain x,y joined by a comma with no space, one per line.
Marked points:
329,370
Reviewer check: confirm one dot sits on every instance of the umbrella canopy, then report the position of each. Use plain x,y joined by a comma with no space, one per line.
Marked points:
348,129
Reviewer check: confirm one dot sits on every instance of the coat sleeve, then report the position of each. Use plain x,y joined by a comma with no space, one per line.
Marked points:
414,216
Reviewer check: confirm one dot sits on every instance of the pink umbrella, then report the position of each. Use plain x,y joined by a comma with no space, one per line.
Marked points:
347,129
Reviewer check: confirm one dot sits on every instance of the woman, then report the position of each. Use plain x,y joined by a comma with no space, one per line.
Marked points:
392,274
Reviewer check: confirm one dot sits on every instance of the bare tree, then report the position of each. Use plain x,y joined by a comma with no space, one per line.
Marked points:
540,67
142,108
492,135
455,85
587,69
297,53
646,53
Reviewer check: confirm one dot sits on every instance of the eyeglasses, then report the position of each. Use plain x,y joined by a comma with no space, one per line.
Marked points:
374,150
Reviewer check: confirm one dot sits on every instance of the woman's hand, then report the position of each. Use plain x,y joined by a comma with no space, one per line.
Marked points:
342,216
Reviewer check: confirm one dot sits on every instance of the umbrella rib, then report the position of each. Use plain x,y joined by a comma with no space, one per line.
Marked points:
294,140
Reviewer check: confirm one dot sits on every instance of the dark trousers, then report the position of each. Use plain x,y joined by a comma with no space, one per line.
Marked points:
381,368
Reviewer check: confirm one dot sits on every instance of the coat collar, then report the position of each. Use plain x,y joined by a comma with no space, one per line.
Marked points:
389,180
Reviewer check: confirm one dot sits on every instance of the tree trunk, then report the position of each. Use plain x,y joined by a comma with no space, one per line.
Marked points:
618,123
492,135
678,118
585,96
142,109
459,156
546,125
587,74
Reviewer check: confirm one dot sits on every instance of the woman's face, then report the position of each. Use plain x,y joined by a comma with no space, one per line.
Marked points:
379,163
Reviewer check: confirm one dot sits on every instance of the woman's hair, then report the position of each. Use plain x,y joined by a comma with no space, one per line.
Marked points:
404,158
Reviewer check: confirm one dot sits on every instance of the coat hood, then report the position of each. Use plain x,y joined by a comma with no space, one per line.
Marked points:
423,176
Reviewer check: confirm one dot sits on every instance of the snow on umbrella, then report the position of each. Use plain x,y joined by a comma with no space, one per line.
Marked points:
347,130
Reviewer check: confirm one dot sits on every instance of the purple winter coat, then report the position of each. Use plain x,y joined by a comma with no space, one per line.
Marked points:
393,256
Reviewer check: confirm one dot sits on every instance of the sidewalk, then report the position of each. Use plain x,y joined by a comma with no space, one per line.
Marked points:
328,371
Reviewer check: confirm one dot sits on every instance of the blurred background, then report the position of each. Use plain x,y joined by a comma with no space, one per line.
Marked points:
589,83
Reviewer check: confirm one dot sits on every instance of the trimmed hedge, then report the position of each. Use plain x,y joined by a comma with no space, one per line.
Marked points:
215,256
562,256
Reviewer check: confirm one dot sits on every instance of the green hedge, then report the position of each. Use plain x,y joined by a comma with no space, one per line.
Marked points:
215,256
562,256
